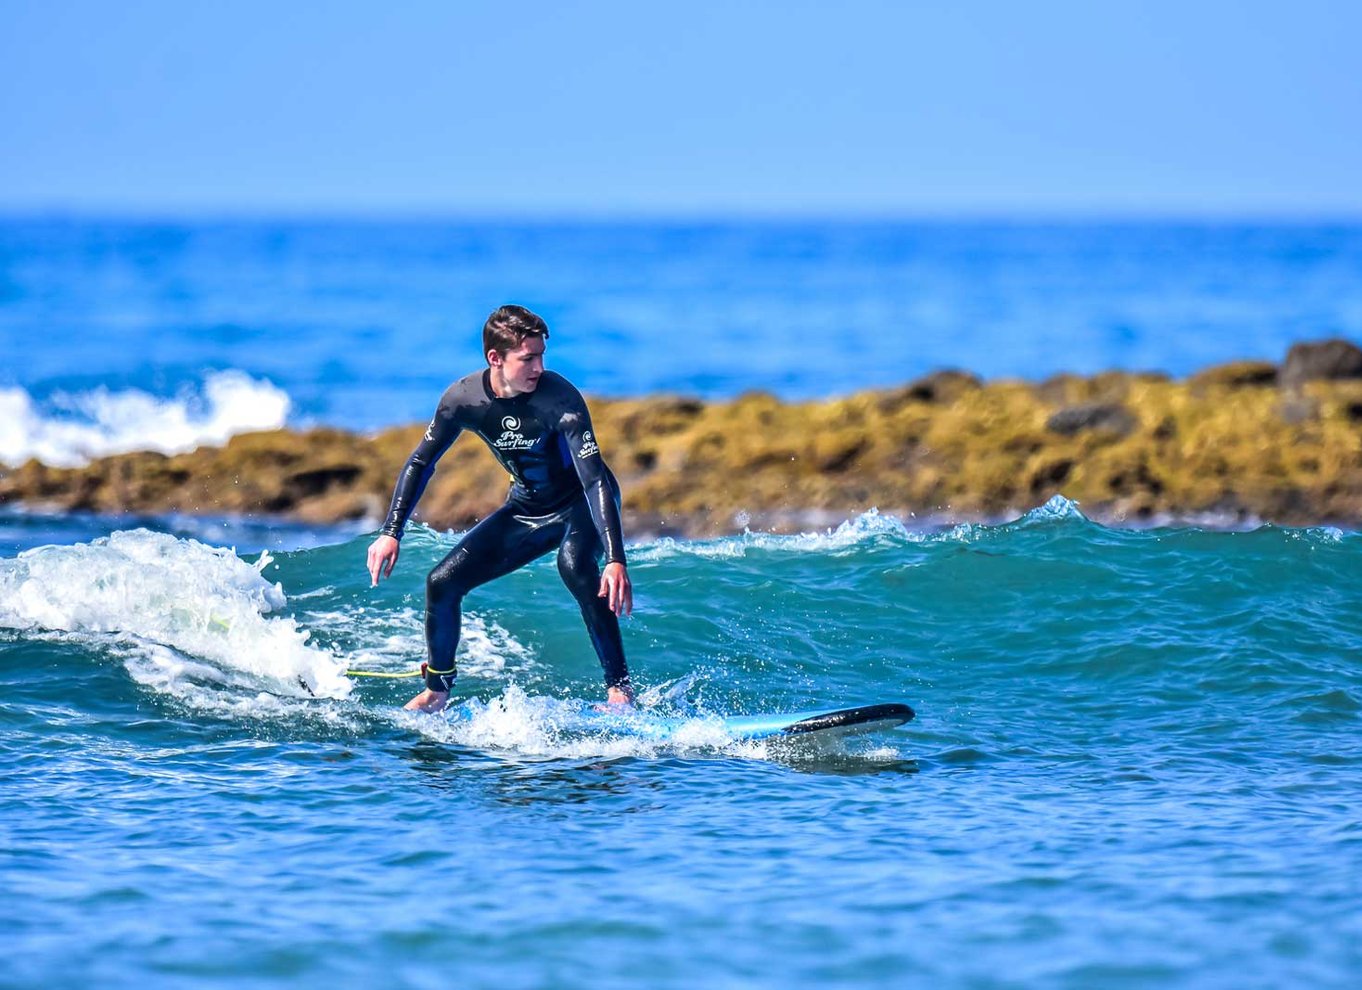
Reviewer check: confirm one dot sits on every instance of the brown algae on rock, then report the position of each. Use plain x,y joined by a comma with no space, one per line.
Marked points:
1227,442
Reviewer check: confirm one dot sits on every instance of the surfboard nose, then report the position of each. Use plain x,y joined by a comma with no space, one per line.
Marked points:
866,716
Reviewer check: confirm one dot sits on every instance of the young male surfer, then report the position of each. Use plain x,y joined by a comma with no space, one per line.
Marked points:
562,495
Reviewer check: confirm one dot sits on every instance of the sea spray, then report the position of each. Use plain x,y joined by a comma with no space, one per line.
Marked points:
184,599
67,429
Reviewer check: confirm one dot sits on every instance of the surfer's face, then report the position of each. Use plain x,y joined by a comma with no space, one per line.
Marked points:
519,370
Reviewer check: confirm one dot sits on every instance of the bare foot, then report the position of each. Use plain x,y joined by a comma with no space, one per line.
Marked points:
619,696
428,701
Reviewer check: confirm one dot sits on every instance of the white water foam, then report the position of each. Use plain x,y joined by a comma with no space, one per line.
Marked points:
522,725
393,642
550,728
70,429
1056,508
185,616
869,527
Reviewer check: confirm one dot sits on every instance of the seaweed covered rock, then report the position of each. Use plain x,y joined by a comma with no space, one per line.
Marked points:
1236,374
1322,360
1127,446
1105,417
946,385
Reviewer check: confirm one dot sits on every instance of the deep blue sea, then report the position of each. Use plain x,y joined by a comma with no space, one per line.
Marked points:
1137,760
118,333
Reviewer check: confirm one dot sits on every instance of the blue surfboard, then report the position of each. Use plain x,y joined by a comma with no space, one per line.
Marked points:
640,723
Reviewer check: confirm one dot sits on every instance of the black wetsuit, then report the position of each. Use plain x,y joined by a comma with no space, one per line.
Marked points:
562,495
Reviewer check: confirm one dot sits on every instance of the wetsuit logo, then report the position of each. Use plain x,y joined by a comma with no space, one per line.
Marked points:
510,438
589,447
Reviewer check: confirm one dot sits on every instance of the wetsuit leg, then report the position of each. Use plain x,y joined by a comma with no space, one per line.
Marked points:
499,544
578,565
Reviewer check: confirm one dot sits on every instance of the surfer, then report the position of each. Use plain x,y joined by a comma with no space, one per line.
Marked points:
562,495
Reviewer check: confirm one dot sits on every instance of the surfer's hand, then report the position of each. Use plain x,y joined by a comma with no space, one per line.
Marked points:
382,556
428,701
616,589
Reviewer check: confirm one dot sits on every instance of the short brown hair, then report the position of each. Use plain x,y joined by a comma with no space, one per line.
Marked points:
508,327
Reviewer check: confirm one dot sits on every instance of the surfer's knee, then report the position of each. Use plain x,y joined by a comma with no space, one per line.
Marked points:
436,583
447,580
579,571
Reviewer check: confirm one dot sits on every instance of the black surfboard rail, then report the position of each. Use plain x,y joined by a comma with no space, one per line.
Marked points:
848,717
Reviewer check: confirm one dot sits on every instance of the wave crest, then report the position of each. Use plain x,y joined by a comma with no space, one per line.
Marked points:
199,613
71,429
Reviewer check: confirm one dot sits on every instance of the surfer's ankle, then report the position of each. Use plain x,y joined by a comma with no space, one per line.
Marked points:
428,701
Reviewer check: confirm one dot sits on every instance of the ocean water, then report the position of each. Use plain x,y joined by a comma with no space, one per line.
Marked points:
1136,758
119,334
1137,762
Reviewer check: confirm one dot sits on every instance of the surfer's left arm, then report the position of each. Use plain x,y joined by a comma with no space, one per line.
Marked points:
602,498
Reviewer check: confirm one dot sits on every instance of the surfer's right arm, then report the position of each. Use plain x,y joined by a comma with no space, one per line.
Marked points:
443,430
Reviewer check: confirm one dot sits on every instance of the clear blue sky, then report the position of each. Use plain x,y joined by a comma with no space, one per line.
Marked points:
617,108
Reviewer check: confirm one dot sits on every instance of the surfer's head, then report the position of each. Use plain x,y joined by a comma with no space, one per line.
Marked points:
513,342
507,328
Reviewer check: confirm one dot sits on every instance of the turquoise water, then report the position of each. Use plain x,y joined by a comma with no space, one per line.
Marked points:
1135,763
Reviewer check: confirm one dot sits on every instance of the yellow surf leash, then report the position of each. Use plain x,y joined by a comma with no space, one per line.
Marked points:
375,673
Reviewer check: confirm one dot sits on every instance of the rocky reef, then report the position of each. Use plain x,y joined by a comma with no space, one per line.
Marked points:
1248,440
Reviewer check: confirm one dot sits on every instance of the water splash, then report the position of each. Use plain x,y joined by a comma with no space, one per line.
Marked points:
1056,509
870,527
521,725
199,613
71,429
393,641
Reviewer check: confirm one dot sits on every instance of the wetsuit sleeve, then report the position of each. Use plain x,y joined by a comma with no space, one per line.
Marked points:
595,477
442,431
